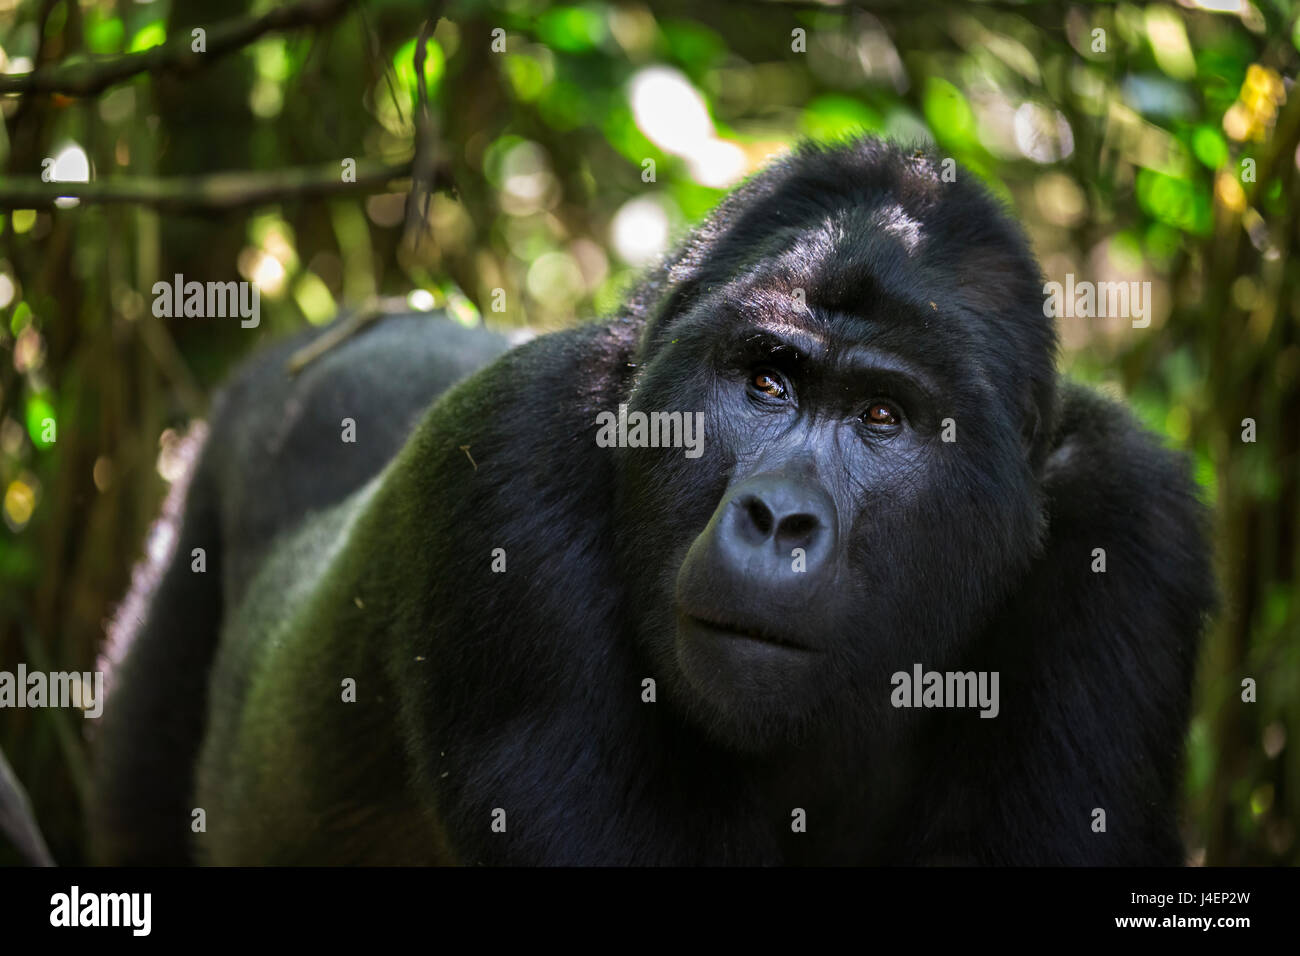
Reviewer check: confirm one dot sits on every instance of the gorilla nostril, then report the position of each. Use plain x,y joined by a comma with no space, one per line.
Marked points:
771,515
797,529
761,515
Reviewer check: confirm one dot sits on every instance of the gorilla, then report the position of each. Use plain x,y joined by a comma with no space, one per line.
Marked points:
910,597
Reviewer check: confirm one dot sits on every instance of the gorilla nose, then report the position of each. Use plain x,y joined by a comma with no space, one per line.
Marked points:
769,519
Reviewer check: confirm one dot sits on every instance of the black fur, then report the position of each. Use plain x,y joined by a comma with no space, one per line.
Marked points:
271,456
523,691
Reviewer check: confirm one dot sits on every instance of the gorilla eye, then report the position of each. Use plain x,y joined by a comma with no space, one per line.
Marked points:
881,413
769,383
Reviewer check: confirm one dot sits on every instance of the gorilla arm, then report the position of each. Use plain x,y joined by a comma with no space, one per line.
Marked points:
1096,666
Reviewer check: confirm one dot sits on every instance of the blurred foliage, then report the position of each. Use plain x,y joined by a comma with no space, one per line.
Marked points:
581,139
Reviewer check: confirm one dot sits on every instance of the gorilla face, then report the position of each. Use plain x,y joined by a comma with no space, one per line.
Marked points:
865,495
828,536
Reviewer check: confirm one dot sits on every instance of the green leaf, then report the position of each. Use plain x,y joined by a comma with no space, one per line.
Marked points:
948,115
38,410
833,117
693,46
572,29
1209,146
1177,202
104,35
150,35
435,64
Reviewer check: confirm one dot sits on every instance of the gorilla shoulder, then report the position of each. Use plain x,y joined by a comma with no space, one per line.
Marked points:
1109,478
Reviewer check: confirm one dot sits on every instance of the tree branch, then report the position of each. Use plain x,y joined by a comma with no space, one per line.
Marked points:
89,77
212,193
423,169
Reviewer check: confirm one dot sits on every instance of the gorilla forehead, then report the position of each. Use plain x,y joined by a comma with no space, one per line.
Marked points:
844,212
864,228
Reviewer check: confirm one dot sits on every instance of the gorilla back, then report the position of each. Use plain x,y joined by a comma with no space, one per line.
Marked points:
274,454
546,632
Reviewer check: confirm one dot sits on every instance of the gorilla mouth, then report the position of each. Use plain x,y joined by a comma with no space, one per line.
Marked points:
748,633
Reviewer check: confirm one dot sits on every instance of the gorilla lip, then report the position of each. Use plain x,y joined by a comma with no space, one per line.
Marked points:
749,633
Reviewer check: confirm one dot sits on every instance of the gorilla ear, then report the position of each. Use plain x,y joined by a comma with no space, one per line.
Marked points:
1030,435
1039,429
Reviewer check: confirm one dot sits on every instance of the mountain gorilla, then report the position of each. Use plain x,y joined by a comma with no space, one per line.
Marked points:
498,639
